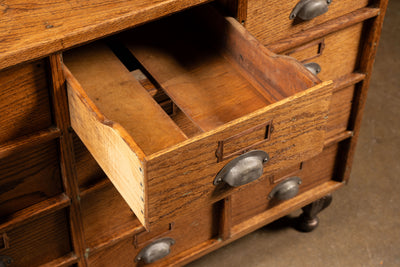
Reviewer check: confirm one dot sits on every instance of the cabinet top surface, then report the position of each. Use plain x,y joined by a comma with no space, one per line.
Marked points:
33,29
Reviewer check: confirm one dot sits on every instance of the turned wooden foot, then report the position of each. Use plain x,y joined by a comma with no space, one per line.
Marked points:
308,220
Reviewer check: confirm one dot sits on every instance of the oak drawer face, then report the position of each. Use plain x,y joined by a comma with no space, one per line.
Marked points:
337,53
194,230
256,198
269,21
38,242
24,100
29,177
227,95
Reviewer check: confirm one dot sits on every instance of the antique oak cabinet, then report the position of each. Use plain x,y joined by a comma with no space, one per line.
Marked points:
153,132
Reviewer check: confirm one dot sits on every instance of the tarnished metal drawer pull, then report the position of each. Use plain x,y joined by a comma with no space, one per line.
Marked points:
286,189
155,251
5,261
309,9
315,68
243,169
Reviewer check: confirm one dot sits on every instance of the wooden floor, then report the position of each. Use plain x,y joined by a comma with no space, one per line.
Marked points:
361,227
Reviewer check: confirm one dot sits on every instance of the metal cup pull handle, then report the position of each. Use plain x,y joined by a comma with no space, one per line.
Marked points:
155,251
309,9
286,189
315,68
5,261
243,169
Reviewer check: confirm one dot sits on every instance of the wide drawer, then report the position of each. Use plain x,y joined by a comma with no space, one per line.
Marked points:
236,94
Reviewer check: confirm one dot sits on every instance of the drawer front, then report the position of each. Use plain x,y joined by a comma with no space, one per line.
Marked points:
29,177
226,89
269,21
38,242
340,111
182,177
254,199
336,53
24,101
187,231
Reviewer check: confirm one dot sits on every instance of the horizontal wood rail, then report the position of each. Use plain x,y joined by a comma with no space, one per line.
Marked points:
32,212
347,80
338,138
95,187
102,244
64,261
28,141
323,29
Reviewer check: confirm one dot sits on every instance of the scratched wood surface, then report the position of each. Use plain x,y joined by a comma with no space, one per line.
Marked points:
36,28
278,25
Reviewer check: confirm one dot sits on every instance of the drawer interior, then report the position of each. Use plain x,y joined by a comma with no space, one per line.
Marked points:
178,77
153,104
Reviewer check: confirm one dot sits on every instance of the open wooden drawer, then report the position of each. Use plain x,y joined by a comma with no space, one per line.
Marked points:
230,95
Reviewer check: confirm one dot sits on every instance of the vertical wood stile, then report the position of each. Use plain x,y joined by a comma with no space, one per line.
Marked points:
366,64
67,160
225,223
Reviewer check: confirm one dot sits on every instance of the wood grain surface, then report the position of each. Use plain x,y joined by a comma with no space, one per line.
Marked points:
39,241
35,29
181,177
112,147
278,25
29,177
24,101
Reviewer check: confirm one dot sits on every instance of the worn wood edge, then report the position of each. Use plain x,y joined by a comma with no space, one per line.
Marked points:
66,153
28,141
264,50
285,208
239,120
35,211
104,244
99,116
338,138
95,187
130,178
323,29
347,80
64,261
89,33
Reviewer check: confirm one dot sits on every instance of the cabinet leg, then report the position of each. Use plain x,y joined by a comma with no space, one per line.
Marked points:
308,220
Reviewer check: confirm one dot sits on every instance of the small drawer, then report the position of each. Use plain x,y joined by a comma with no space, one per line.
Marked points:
24,101
178,238
257,198
38,242
269,21
336,53
28,178
228,95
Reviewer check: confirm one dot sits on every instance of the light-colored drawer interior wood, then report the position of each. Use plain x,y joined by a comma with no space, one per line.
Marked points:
269,21
219,79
